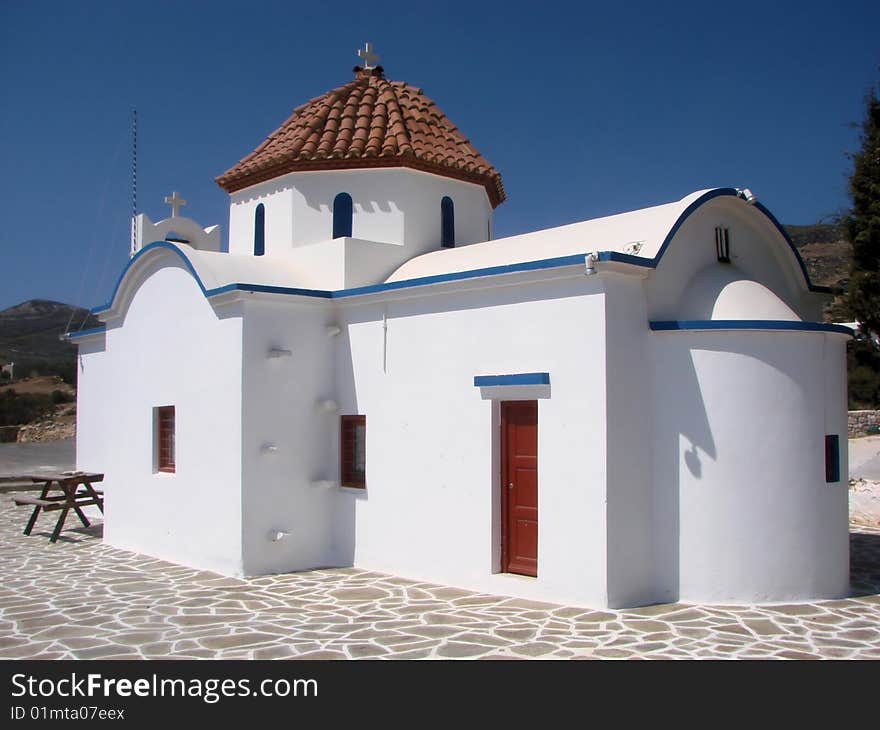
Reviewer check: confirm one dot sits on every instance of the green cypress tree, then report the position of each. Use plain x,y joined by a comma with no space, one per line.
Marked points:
863,223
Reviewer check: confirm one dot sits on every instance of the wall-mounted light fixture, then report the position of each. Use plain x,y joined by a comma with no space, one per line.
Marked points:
277,535
590,263
323,484
328,406
268,448
747,195
332,330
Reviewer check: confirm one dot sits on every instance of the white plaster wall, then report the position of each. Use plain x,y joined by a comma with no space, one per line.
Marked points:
431,509
630,507
757,252
343,263
277,197
739,463
146,232
281,409
394,205
173,350
721,291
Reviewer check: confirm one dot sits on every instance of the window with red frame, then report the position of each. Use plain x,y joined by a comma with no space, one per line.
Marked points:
165,456
353,451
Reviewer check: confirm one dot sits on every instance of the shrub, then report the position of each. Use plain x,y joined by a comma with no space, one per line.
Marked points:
59,396
17,409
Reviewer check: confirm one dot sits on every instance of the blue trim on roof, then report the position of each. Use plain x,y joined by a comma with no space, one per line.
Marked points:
571,260
749,324
265,288
482,381
83,333
728,192
704,198
782,231
136,257
577,259
626,258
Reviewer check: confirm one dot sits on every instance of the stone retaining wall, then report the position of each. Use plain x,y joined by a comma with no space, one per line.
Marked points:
860,421
47,431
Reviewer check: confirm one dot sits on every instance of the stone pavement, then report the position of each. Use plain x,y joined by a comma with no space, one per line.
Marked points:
82,599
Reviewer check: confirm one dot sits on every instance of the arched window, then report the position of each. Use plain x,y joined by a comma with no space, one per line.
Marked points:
342,213
260,230
447,215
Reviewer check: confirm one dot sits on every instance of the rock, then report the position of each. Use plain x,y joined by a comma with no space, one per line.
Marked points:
46,431
862,422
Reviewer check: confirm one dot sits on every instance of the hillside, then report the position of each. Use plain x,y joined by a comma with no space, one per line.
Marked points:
825,251
29,337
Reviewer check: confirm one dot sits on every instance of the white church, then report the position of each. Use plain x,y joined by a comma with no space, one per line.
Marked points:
629,410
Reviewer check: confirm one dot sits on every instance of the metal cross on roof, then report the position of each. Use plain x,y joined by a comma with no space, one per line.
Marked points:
175,201
368,56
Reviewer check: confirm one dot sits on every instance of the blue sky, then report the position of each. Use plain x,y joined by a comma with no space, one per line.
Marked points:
586,109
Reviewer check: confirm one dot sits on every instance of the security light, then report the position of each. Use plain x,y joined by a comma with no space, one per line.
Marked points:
747,195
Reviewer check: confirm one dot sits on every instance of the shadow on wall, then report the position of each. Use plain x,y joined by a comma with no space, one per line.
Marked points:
323,199
682,421
345,504
320,199
689,373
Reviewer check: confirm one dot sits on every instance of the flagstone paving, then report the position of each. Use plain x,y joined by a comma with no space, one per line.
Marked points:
82,599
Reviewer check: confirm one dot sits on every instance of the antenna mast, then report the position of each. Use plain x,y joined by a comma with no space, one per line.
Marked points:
134,158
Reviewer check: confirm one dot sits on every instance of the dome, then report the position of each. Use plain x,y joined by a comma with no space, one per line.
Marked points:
724,293
368,122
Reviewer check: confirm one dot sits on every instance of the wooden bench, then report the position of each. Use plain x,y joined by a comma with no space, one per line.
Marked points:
48,502
54,503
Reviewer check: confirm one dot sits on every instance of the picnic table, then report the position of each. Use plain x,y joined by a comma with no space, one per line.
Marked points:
76,492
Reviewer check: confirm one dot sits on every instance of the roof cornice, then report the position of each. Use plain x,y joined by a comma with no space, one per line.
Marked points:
494,187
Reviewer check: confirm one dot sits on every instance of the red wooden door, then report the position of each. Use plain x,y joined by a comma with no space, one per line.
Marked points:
519,487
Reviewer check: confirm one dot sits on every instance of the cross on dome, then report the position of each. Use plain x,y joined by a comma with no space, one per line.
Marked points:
368,56
175,201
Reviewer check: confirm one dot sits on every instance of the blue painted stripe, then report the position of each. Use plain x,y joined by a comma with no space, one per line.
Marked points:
264,288
482,381
83,333
146,249
571,260
749,324
576,259
626,258
728,192
784,234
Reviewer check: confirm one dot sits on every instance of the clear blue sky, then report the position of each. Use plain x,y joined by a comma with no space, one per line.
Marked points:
586,109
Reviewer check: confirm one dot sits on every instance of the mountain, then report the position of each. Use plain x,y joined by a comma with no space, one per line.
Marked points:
825,251
29,336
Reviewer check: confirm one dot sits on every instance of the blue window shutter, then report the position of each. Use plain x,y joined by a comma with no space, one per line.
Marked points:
260,230
447,214
342,215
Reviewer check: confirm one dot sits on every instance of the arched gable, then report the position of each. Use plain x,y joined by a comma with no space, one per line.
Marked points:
718,239
150,259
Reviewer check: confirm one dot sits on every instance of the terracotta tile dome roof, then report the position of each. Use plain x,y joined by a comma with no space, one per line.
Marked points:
368,122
